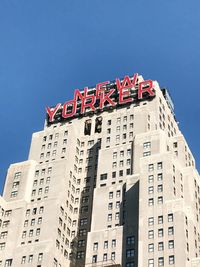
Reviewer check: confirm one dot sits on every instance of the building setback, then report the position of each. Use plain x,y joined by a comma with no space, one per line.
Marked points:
116,186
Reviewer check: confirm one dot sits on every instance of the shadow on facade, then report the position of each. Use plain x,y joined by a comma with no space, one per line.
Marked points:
86,205
129,218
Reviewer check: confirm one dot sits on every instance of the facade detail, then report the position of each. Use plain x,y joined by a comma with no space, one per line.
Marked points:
110,181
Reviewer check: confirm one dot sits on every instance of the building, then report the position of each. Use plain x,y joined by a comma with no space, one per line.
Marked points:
110,181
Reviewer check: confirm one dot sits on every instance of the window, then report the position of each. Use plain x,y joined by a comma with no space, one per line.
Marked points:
110,195
128,152
94,258
147,145
2,246
171,260
151,247
113,174
150,178
120,173
148,153
151,234
160,188
150,190
113,243
41,210
130,264
160,219
48,180
81,243
128,171
161,261
15,185
113,256
160,246
30,258
5,224
109,217
95,246
160,200
159,167
13,194
80,255
105,257
118,193
160,177
129,253
8,213
17,175
171,244
23,260
117,205
105,245
40,257
150,221
151,202
170,230
150,167
103,176
37,231
151,263
39,220
170,217
32,222
110,206
109,122
117,216
114,155
8,262
160,232
130,240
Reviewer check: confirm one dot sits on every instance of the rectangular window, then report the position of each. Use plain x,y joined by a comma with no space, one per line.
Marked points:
160,246
147,145
171,260
150,190
150,178
103,176
130,240
151,263
95,246
151,202
160,219
159,166
150,221
171,244
150,167
105,244
170,217
160,232
130,253
161,261
151,234
151,248
160,177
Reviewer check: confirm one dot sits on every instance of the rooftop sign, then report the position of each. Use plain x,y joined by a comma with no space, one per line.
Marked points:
104,96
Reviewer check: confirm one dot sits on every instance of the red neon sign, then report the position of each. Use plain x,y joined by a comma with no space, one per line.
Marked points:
104,95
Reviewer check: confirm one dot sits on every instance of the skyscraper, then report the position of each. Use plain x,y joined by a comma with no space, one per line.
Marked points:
110,181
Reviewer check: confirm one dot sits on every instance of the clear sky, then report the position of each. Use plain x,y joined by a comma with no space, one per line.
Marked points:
48,48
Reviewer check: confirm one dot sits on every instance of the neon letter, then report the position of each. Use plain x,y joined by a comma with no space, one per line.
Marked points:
73,111
85,98
52,111
126,83
144,87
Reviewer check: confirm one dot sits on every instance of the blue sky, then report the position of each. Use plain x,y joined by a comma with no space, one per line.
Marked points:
49,48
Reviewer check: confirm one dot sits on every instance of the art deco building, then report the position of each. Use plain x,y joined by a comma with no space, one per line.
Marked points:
111,187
